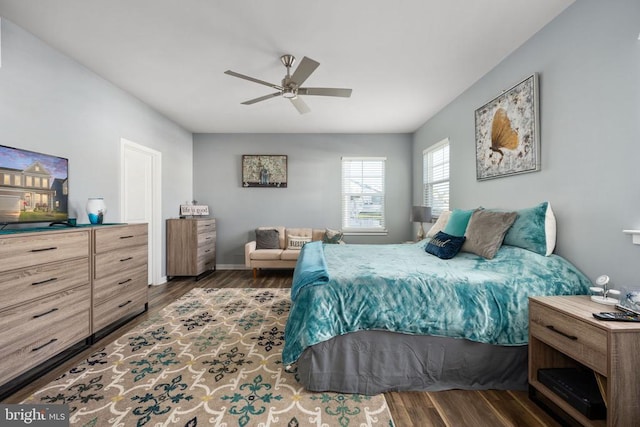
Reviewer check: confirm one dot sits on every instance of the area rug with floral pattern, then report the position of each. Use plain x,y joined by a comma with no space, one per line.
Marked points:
211,358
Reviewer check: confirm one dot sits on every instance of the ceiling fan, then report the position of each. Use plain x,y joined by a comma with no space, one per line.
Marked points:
290,86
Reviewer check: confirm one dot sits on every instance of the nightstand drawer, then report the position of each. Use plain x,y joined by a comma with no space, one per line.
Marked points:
578,339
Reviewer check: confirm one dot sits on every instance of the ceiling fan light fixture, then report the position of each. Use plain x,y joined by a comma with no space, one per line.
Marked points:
289,93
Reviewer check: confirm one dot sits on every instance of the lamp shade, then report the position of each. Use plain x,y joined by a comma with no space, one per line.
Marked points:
420,214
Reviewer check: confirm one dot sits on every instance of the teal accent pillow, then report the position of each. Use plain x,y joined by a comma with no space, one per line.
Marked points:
458,220
534,229
444,245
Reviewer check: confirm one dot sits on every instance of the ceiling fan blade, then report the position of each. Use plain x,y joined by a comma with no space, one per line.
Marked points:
251,79
324,91
262,98
304,70
300,105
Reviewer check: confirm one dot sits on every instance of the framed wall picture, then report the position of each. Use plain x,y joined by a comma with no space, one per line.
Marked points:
264,170
507,132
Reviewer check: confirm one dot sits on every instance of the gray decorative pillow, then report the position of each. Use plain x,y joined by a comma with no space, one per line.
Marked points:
332,236
267,239
486,231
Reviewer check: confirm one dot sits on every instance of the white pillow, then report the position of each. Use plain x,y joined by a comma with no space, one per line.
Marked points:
440,224
297,242
550,229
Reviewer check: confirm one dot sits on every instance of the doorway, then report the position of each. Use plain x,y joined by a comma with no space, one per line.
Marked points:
141,197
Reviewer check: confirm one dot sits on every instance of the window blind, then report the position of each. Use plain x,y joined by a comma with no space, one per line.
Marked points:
435,171
363,194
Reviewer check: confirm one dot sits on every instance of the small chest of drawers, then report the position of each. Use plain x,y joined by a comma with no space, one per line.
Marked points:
191,246
563,333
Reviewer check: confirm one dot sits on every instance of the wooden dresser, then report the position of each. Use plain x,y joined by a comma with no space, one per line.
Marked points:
564,333
59,287
46,297
120,278
191,246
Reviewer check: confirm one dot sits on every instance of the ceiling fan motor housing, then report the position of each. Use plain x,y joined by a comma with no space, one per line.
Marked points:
288,60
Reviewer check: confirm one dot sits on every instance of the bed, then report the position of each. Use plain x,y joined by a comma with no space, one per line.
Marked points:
373,318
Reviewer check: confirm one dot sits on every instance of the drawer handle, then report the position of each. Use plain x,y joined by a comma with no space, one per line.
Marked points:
126,237
45,344
124,303
124,281
53,279
45,313
571,337
52,248
126,259
207,251
208,238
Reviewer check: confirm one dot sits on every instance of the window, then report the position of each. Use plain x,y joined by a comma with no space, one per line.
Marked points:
435,172
363,194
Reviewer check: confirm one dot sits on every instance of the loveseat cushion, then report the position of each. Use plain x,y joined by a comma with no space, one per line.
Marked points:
290,254
267,254
301,232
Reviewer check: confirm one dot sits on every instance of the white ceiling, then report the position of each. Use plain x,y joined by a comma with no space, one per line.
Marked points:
404,59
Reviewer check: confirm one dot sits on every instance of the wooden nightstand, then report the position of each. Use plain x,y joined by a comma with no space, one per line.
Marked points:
564,333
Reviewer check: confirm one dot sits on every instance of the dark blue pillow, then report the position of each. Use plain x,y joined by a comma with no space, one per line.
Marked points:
444,246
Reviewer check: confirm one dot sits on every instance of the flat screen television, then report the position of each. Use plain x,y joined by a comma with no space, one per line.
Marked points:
34,187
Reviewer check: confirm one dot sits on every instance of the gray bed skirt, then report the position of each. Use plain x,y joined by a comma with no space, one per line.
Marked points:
372,362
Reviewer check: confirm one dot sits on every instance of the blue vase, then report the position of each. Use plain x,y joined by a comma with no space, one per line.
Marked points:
96,209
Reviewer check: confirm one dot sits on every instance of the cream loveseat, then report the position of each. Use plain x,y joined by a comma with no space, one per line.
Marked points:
282,253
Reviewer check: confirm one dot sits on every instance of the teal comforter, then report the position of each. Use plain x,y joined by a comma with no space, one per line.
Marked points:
404,289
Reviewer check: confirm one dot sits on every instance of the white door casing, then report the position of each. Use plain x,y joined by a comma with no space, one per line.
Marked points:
140,192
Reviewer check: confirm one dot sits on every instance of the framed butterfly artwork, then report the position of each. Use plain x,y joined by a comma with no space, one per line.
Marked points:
508,132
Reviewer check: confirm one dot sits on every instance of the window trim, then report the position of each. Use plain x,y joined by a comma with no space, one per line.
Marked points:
371,231
425,175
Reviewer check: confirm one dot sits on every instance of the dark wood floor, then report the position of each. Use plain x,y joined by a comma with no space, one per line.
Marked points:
445,408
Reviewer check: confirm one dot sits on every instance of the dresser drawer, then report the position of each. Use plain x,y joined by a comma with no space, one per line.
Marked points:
576,338
124,304
206,225
34,332
108,238
207,239
22,250
22,285
206,261
113,262
113,284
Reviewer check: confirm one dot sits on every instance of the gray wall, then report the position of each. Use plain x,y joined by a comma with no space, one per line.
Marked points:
312,197
589,64
51,104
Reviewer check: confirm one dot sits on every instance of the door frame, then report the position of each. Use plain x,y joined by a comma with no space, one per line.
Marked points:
155,225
